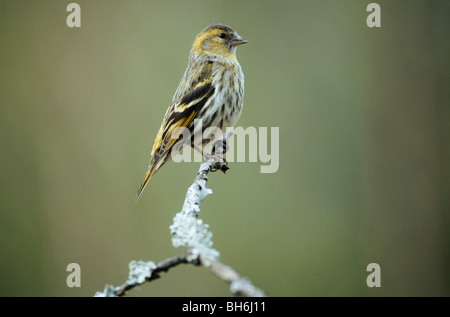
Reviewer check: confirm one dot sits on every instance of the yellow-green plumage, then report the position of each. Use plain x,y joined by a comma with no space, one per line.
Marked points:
212,89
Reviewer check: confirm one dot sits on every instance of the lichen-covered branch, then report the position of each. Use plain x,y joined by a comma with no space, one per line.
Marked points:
189,231
142,272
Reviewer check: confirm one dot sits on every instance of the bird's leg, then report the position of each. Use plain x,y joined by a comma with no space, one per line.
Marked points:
213,155
219,148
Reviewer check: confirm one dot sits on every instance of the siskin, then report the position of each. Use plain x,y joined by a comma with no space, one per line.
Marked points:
212,90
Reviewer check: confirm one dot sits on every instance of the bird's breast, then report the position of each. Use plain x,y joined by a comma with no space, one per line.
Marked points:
229,95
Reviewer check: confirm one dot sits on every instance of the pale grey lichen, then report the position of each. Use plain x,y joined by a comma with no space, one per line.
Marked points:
194,196
109,291
244,285
140,271
189,231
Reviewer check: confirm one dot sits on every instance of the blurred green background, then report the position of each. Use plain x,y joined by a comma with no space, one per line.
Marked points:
364,147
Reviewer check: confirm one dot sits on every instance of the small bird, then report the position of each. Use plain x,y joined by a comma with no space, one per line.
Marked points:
211,89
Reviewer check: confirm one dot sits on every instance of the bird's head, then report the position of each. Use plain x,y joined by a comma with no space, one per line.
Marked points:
218,39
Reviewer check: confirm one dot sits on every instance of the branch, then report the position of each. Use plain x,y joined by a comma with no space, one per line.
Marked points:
141,272
189,231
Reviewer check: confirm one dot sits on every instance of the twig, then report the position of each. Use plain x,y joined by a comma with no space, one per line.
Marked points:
152,274
190,231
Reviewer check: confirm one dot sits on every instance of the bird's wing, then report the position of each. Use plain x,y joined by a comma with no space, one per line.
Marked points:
179,115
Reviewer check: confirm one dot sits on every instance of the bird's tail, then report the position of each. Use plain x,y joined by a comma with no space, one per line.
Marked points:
152,170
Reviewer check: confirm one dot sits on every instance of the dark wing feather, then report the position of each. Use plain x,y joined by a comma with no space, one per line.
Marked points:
179,115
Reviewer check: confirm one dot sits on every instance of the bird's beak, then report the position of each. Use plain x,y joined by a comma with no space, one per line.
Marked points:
238,40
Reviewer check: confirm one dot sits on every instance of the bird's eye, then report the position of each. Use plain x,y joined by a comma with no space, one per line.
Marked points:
222,35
